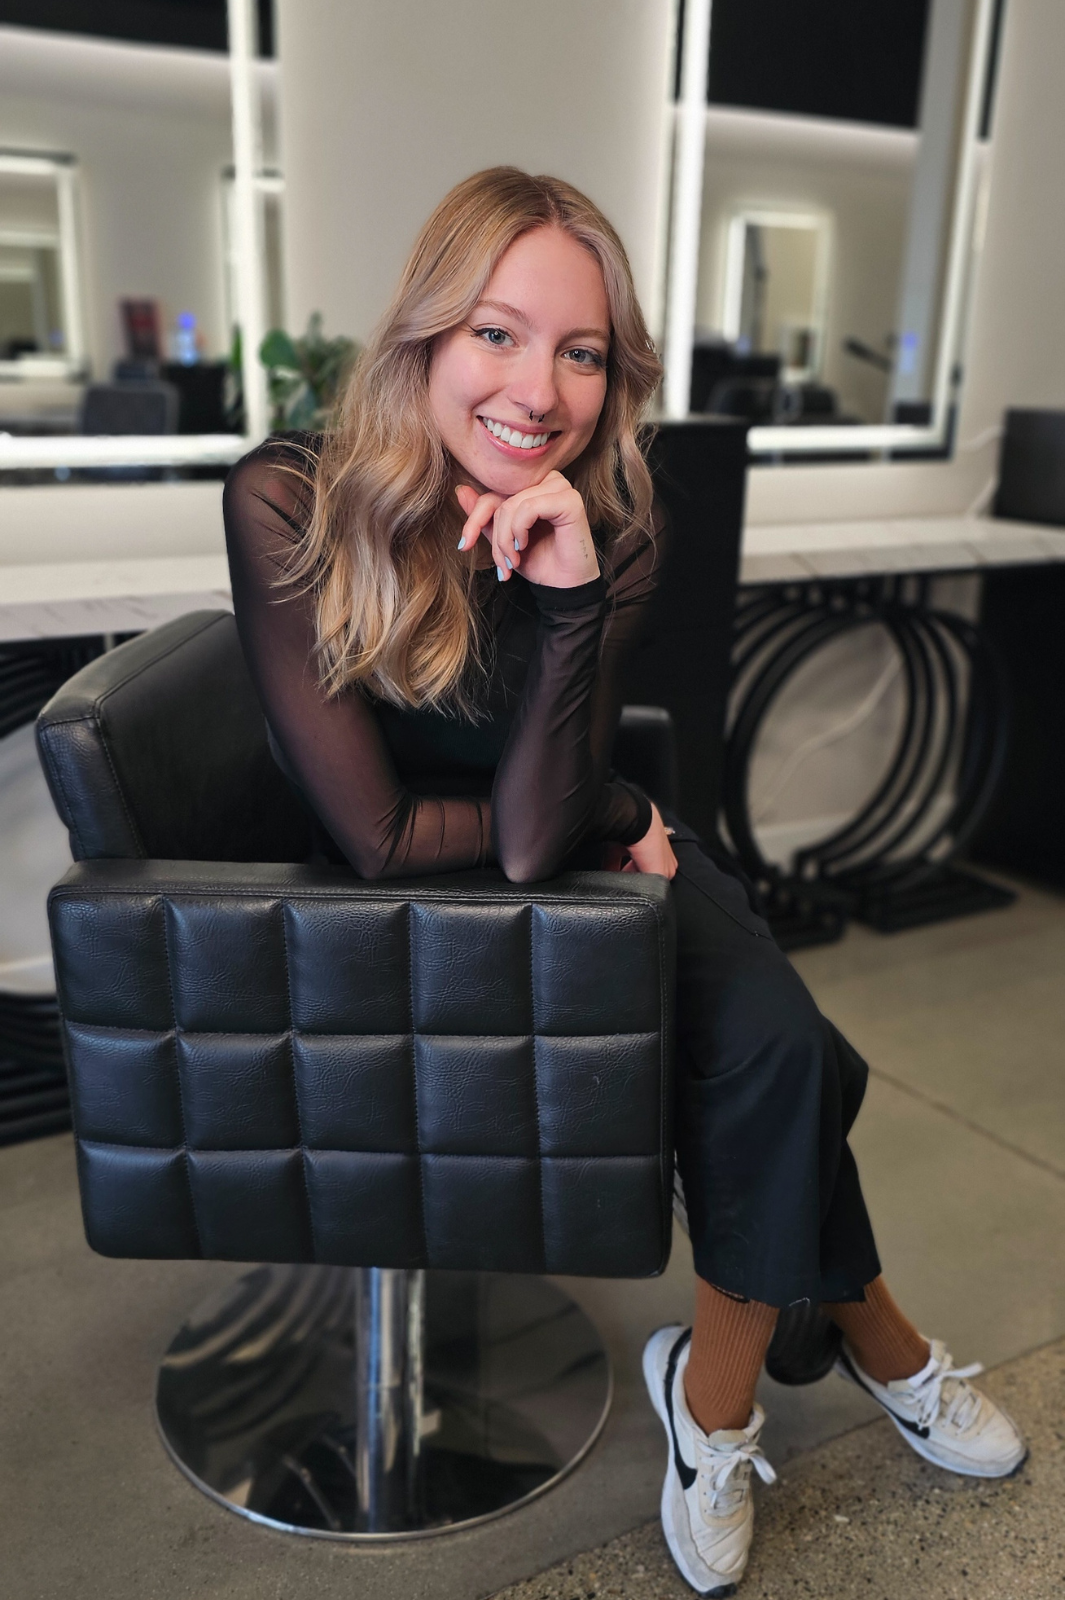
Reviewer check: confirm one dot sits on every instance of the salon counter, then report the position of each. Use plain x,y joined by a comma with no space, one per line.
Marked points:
157,551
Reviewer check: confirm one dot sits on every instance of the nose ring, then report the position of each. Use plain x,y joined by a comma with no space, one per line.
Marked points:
534,418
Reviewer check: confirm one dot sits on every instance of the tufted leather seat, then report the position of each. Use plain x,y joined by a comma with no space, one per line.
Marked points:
277,1061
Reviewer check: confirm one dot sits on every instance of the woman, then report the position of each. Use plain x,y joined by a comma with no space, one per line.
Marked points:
435,600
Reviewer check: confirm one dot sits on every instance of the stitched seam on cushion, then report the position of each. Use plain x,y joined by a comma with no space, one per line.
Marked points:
345,1150
531,914
295,1092
219,1149
414,1084
358,889
134,830
177,1069
58,776
138,672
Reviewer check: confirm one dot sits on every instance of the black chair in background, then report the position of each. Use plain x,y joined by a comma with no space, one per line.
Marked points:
132,407
684,661
201,395
717,362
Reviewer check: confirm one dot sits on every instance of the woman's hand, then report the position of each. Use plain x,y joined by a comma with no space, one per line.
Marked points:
652,853
542,531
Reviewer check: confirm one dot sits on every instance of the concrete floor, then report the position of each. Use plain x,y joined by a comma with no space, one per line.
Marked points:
962,1150
863,1517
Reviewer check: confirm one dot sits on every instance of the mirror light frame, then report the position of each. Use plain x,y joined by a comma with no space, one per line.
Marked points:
172,450
62,171
689,152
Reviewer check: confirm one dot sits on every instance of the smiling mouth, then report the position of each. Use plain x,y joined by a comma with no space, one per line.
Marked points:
514,437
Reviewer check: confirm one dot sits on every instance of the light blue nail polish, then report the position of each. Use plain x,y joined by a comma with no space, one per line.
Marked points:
461,543
499,574
517,546
510,564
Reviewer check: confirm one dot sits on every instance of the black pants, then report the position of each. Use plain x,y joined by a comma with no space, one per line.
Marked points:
767,1091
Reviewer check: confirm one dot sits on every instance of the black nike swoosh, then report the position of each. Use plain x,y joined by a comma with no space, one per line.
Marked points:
911,1427
685,1473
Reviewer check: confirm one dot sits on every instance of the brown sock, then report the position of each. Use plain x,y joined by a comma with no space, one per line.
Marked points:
729,1341
886,1343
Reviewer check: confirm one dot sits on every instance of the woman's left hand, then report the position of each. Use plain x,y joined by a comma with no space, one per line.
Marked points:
541,531
652,853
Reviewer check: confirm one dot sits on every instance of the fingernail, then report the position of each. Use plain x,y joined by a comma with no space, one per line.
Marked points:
510,564
462,541
517,546
499,574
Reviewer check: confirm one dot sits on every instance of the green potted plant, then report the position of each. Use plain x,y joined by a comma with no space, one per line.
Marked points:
305,375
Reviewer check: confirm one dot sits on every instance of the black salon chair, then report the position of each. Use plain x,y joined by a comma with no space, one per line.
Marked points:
452,1085
141,407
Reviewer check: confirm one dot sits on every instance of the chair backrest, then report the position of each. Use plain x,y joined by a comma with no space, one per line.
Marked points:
158,749
130,408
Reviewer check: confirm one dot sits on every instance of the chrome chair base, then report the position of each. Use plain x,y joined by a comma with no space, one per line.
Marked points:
366,1404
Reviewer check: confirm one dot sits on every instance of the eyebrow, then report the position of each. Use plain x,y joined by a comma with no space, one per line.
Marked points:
519,316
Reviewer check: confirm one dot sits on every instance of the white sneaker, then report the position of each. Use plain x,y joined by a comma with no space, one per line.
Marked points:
707,1511
943,1417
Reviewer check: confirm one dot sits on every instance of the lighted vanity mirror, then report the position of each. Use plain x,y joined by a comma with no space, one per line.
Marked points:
135,240
829,178
40,324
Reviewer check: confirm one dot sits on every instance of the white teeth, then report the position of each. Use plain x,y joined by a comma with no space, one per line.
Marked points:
521,441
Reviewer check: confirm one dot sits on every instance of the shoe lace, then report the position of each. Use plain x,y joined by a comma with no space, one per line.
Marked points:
723,1474
962,1400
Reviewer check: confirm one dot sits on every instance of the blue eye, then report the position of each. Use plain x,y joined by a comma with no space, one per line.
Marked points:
493,336
583,357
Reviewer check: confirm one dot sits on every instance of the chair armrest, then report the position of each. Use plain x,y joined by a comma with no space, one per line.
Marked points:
288,1063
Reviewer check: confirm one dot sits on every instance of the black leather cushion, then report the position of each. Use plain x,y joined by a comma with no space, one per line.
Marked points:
287,1064
158,748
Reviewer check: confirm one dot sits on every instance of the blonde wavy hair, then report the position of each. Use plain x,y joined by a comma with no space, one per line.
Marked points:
393,597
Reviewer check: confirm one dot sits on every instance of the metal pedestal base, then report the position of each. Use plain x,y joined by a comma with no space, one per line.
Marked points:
371,1404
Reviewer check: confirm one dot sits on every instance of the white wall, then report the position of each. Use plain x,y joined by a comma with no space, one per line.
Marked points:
386,106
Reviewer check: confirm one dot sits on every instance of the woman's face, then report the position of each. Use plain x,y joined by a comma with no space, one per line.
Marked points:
538,343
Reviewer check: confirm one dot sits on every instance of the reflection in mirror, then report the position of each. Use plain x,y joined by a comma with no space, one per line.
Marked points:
118,309
41,349
841,153
34,323
772,311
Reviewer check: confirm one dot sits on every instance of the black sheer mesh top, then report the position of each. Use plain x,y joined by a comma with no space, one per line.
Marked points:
405,791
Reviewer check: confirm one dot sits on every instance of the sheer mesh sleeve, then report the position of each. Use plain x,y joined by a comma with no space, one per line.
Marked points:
552,787
333,747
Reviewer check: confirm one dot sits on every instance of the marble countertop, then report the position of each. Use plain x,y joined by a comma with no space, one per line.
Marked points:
124,592
62,599
795,553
